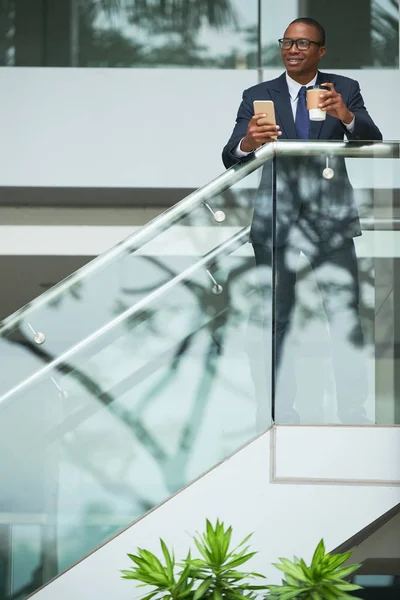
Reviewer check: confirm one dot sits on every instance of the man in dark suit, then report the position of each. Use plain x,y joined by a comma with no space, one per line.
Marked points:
314,214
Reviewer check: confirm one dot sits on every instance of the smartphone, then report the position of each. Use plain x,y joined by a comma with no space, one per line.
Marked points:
265,107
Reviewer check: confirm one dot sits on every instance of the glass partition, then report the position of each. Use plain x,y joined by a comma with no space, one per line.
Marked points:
155,398
372,43
222,34
211,338
61,318
126,33
335,257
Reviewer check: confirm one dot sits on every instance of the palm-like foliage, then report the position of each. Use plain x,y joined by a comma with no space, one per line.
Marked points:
217,567
214,576
162,578
385,31
323,579
217,13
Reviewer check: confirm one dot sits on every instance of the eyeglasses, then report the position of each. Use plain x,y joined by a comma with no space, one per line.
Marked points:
301,44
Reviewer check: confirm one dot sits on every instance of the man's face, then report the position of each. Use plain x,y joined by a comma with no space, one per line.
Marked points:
301,62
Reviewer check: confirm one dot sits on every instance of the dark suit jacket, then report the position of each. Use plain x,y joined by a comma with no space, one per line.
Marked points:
324,210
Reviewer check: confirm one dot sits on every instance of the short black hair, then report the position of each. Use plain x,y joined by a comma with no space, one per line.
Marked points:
312,23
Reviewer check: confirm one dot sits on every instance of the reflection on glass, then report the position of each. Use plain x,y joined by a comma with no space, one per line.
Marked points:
7,32
110,33
207,33
143,408
91,302
332,297
385,33
379,32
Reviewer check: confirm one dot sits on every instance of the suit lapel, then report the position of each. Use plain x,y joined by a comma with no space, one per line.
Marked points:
280,96
317,126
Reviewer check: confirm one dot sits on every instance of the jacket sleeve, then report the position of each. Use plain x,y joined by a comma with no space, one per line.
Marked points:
244,115
364,127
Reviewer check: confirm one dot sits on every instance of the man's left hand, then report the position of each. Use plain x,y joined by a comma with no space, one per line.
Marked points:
332,102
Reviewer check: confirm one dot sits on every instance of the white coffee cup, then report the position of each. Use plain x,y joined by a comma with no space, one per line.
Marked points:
313,99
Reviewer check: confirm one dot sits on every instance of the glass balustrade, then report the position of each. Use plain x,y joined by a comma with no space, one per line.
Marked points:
169,353
142,383
336,283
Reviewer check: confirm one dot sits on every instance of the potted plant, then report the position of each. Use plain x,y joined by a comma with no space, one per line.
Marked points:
213,576
323,579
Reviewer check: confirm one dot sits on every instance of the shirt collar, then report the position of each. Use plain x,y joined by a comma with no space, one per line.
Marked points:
294,86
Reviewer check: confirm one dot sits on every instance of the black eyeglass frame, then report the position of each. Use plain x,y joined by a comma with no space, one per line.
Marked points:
297,43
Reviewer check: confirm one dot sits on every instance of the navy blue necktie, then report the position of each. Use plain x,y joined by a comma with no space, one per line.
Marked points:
302,122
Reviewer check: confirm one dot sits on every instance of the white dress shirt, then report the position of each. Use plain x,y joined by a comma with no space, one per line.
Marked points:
294,89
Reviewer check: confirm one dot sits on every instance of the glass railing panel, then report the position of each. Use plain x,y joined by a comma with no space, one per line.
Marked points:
335,261
85,302
156,398
182,374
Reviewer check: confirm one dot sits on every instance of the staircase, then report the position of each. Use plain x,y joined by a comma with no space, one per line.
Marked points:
140,383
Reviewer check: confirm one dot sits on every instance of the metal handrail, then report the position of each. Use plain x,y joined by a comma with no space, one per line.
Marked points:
200,196
234,174
207,261
149,231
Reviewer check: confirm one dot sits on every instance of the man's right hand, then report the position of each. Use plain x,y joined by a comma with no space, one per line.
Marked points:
258,134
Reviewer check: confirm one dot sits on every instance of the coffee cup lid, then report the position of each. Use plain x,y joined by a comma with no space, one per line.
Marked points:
316,87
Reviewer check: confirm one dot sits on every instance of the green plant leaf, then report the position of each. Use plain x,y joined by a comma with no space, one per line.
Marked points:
236,575
319,553
182,581
187,591
153,579
150,596
226,542
221,537
136,559
202,589
236,562
217,595
347,587
198,563
258,575
152,560
203,550
236,595
255,587
293,570
127,574
210,541
168,561
339,560
342,573
291,580
243,542
291,594
209,529
217,543
329,593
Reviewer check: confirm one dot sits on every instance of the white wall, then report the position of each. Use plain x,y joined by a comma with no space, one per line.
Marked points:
286,519
295,459
136,127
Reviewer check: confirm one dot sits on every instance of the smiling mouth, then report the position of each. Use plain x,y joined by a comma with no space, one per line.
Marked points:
294,60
